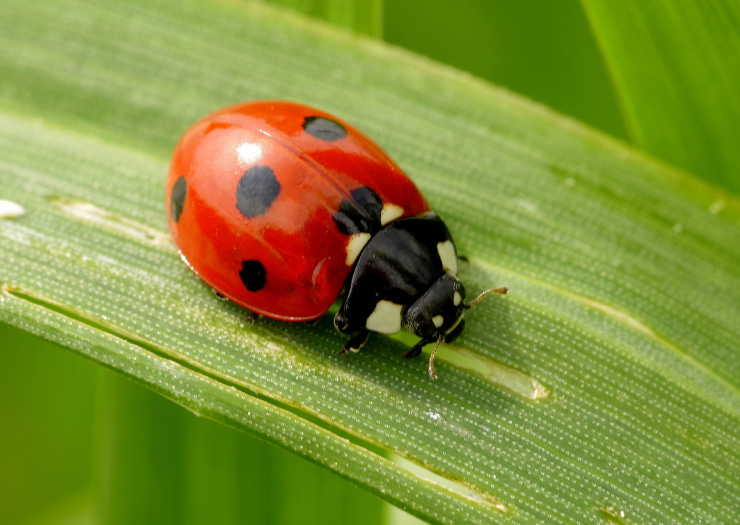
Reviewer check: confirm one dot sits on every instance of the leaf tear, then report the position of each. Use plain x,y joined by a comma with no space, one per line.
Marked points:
89,212
461,490
513,380
619,315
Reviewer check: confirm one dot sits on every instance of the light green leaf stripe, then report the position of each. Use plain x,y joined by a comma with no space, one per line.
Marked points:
606,384
676,66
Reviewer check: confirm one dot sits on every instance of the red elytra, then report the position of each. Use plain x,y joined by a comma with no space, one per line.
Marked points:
220,227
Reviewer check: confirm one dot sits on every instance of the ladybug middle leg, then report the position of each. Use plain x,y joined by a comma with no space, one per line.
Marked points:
354,344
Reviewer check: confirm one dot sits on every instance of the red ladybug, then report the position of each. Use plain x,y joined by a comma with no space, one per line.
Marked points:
280,206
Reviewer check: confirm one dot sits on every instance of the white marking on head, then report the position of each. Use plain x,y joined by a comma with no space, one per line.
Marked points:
355,244
438,320
390,212
448,256
385,319
10,210
456,299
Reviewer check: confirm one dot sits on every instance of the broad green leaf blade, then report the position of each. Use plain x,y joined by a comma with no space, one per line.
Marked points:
604,387
676,66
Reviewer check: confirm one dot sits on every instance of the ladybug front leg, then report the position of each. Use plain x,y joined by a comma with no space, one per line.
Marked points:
354,344
416,349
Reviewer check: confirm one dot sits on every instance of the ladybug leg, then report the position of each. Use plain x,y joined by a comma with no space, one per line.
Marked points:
252,318
416,349
354,344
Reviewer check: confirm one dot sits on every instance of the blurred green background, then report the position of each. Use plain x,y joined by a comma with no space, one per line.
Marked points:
540,49
56,408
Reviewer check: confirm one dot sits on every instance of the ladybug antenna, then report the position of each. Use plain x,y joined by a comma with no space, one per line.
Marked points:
432,371
503,291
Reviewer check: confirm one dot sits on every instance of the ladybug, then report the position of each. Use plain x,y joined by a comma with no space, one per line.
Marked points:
281,207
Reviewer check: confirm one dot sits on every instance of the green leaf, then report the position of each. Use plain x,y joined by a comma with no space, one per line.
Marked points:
676,66
605,387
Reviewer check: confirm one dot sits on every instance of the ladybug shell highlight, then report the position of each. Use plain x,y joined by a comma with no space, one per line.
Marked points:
271,203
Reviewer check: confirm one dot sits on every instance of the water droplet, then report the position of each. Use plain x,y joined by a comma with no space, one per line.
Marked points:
11,210
434,415
614,515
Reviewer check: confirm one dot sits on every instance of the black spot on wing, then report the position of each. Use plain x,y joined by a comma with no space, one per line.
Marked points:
361,213
253,275
257,190
324,128
177,198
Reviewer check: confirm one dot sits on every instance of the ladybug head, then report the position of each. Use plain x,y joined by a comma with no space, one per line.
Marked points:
404,278
439,313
